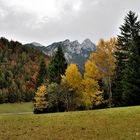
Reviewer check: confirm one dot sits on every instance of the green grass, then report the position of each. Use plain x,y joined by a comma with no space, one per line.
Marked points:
106,124
16,107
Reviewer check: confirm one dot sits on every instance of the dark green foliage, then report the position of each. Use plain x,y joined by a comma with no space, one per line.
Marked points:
56,97
42,73
12,98
18,70
57,66
131,81
1,97
61,98
117,83
126,87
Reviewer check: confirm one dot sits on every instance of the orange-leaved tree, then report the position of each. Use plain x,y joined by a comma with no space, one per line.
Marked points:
105,61
40,100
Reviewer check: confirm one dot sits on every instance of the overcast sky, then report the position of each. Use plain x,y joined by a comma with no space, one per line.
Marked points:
48,21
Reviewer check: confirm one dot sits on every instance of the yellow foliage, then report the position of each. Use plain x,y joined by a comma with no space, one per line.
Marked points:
91,91
72,80
104,57
87,88
72,77
91,70
105,61
40,99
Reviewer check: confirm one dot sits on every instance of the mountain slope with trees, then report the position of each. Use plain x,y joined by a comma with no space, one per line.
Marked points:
18,71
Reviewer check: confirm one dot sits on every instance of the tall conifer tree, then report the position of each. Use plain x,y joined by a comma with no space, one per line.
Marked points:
41,77
131,81
127,41
57,66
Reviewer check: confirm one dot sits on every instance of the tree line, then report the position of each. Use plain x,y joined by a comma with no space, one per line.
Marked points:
111,77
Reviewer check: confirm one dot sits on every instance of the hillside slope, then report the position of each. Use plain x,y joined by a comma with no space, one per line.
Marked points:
18,70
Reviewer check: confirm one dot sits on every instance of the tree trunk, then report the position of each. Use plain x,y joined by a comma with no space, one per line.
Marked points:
110,92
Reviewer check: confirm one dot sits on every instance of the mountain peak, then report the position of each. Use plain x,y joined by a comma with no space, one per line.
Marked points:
67,41
36,44
88,44
87,40
75,43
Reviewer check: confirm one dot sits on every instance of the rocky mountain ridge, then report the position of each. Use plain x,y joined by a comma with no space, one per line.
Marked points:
74,51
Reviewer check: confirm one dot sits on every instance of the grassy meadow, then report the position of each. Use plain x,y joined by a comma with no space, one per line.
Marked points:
105,124
16,107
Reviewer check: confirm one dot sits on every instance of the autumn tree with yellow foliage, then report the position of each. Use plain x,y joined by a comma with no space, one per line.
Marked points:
92,94
72,80
40,100
82,92
105,61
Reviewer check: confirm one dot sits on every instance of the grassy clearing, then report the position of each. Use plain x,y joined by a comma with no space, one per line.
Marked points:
107,124
16,107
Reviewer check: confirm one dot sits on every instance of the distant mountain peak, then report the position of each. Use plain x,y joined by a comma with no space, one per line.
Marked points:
74,51
76,43
67,40
36,44
88,44
87,40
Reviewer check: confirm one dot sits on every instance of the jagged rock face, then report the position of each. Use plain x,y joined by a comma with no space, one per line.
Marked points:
73,50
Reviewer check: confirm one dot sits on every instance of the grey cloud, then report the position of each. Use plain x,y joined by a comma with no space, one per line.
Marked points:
14,23
96,19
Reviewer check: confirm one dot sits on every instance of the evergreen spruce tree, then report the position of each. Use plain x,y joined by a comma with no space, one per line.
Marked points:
57,66
127,43
42,73
131,81
117,83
